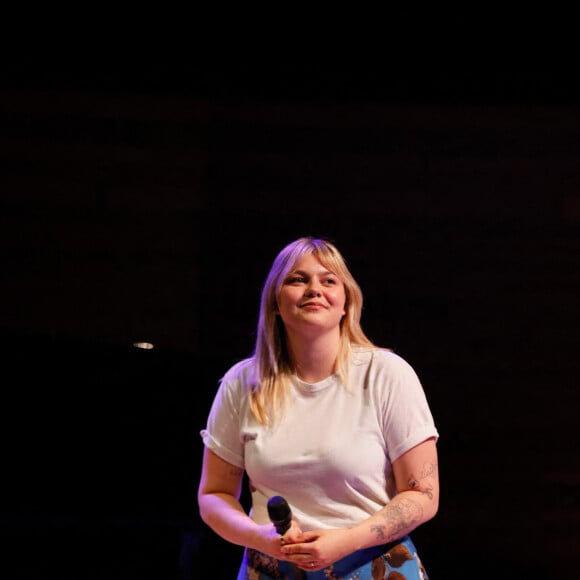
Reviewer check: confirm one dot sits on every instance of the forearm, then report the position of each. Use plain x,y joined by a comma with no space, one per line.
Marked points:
417,500
405,512
400,516
224,514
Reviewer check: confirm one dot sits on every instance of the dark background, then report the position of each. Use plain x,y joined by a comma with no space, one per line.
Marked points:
146,202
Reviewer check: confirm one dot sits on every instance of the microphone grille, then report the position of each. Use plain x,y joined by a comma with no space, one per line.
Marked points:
278,508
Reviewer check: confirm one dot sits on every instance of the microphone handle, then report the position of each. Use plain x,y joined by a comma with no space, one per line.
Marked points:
283,527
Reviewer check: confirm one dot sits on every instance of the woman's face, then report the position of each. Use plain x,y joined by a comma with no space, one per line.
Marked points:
311,297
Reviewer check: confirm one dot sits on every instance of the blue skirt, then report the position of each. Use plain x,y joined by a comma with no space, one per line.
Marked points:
395,561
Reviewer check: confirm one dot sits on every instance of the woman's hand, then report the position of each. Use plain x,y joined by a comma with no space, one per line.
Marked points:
292,535
318,549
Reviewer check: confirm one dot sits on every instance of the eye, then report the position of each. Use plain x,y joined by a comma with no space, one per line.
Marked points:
296,280
330,281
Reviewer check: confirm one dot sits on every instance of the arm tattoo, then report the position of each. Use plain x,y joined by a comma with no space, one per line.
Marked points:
379,532
428,472
416,486
401,516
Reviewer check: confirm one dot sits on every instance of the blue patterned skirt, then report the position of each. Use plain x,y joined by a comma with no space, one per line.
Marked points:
395,561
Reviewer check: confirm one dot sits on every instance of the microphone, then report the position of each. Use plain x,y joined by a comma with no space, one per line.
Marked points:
280,514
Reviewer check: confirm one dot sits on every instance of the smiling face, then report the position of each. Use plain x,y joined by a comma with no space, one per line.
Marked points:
311,297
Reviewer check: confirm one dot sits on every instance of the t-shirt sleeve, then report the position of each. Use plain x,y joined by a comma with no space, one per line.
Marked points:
222,431
407,418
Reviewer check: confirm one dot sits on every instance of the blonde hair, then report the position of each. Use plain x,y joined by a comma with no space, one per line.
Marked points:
272,364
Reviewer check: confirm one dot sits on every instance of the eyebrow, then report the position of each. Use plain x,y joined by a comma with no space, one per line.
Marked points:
304,273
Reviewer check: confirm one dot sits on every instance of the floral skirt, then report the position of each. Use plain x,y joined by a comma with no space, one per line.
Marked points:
394,561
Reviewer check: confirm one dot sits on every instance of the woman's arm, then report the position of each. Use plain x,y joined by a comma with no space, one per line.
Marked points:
219,506
416,501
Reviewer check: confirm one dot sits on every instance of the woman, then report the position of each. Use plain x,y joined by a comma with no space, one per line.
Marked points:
337,426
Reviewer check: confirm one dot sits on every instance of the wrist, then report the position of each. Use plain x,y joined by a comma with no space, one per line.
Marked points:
368,534
357,537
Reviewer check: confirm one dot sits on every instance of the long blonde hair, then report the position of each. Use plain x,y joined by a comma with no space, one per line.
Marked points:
272,364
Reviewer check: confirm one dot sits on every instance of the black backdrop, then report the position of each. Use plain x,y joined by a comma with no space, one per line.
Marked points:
146,207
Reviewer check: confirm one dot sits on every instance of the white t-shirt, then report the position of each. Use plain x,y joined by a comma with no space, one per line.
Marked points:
330,454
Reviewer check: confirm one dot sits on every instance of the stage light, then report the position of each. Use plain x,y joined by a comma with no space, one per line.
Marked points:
144,345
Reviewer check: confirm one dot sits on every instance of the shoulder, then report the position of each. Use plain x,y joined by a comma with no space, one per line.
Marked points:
240,374
390,360
381,359
383,370
235,385
240,370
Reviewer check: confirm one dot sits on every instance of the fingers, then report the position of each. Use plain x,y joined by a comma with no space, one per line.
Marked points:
298,539
293,535
310,565
306,537
303,554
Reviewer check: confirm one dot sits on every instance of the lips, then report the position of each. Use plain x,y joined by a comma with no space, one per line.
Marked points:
313,305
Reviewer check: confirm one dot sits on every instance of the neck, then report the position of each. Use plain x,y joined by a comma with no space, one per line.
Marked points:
314,359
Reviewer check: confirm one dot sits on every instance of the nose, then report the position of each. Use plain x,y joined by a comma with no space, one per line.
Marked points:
312,292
